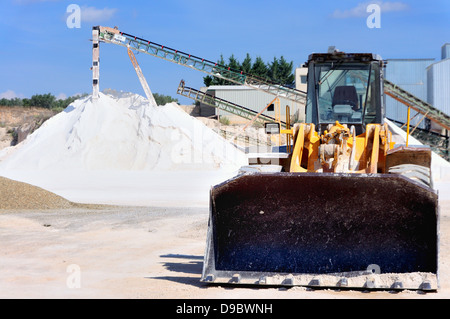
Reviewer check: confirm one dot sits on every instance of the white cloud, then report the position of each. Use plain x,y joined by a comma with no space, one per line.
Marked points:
361,9
61,96
92,14
10,94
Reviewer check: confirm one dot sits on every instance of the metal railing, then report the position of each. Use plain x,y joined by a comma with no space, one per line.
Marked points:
200,64
417,104
225,105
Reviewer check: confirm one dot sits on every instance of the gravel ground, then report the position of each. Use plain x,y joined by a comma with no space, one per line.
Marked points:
71,251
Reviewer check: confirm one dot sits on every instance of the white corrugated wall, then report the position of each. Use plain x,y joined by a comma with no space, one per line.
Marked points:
253,99
439,85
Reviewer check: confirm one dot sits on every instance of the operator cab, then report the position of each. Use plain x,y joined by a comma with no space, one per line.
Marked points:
344,87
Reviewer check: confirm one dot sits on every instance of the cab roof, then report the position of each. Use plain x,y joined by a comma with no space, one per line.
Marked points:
343,57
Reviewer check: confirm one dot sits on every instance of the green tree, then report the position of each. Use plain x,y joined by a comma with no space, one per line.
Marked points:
285,75
259,68
163,99
61,104
246,65
26,102
16,102
274,70
43,100
233,63
213,80
207,80
278,71
11,102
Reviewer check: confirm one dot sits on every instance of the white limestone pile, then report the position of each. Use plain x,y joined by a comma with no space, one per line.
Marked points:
122,131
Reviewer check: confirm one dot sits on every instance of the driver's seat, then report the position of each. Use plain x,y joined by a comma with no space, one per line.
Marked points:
346,95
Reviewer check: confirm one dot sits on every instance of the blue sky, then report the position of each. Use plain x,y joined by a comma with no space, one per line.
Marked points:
40,54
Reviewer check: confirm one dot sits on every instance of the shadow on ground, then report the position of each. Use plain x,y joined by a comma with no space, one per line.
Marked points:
185,266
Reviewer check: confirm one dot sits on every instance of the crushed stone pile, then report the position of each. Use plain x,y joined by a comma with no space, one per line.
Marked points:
122,131
18,195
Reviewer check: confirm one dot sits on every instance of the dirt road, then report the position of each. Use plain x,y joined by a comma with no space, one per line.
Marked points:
137,252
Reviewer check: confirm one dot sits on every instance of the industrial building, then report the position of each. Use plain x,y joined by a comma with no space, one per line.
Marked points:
427,79
410,75
438,79
301,76
252,99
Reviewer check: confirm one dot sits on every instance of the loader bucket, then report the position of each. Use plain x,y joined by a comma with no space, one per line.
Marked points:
370,231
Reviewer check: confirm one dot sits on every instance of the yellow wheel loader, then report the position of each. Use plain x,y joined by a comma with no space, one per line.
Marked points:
349,208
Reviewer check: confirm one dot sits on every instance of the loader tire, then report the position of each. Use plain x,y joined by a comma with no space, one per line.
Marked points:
417,173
